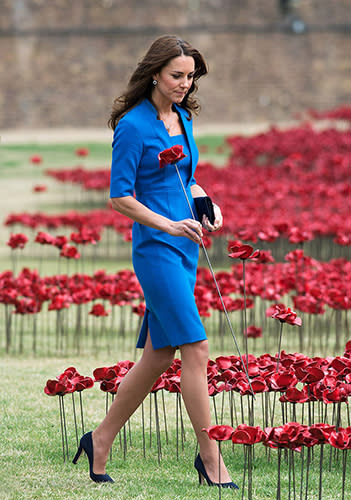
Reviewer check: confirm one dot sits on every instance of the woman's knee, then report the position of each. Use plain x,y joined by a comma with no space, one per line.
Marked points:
165,360
159,359
195,353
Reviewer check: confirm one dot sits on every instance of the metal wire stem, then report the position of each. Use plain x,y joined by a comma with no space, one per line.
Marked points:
217,286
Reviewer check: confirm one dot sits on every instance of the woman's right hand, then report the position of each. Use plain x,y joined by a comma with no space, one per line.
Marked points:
189,228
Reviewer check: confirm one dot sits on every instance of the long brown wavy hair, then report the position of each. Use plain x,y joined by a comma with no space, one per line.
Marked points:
140,85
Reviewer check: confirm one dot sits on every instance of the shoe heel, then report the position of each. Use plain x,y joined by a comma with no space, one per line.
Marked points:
201,479
77,455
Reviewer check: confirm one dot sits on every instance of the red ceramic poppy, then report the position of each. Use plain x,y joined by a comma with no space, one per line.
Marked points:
246,434
219,432
171,155
17,240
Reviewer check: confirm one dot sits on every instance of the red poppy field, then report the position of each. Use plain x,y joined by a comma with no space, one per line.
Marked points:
283,264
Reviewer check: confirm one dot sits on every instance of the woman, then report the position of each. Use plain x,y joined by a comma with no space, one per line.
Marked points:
154,114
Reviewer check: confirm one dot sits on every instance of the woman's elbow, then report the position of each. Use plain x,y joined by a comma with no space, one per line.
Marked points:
120,204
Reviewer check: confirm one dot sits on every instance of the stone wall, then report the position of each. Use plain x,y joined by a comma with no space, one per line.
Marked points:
62,62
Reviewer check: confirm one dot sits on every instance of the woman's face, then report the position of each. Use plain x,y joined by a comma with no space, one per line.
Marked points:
175,79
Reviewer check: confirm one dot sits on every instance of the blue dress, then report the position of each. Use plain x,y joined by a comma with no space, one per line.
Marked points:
165,265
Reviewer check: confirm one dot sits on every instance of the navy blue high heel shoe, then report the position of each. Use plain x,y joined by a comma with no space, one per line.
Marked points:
86,444
199,466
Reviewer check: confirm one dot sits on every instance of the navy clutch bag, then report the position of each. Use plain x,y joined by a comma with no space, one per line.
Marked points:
204,206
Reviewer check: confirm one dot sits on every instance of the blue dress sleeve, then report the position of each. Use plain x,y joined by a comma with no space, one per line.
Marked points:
127,148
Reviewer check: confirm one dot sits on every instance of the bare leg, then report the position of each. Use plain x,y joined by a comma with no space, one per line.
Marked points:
132,391
195,394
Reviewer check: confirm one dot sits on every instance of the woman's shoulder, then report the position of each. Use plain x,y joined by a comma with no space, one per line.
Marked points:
135,117
140,110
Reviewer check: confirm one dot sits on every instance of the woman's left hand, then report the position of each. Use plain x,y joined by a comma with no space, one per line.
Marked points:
218,222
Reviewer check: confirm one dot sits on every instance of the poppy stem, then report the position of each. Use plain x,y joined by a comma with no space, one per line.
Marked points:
279,346
143,426
320,471
150,420
62,431
124,442
222,409
75,419
292,457
244,473
215,409
8,328
130,432
278,497
344,458
219,470
158,436
217,286
302,467
65,427
164,416
81,411
181,421
106,408
307,470
249,471
273,408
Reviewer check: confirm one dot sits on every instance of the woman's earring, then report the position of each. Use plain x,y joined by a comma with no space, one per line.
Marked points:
154,82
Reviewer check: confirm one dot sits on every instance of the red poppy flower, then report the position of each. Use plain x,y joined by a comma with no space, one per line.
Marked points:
139,309
60,241
246,434
171,155
296,235
36,159
82,151
339,394
265,257
172,385
159,384
293,395
281,381
110,386
86,236
58,387
60,301
269,235
309,374
17,240
8,295
214,388
39,188
321,432
284,436
80,383
44,238
98,310
27,306
253,332
341,439
219,432
342,239
272,309
70,252
224,362
259,385
243,252
286,315
101,373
